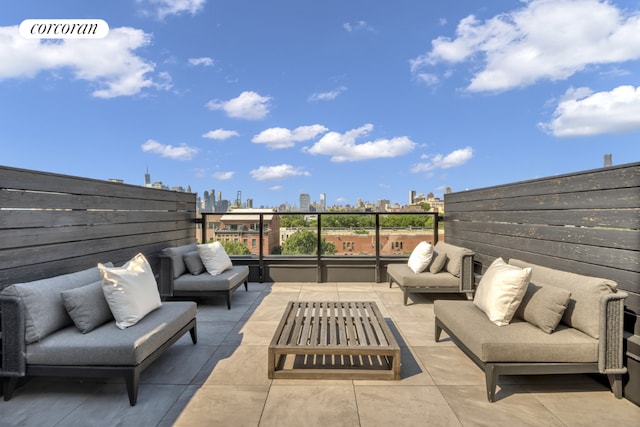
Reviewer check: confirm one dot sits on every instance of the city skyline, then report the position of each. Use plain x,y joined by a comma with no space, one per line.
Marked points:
358,100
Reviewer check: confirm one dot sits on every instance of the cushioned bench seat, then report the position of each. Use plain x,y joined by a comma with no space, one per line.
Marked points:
520,342
176,280
454,274
110,346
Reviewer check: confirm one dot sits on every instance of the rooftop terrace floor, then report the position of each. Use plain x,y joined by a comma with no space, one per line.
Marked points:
223,380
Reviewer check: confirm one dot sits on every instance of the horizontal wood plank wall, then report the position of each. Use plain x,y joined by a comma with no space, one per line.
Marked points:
586,222
54,224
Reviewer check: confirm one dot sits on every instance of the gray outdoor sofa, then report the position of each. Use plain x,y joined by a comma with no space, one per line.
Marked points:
455,276
39,338
177,280
588,339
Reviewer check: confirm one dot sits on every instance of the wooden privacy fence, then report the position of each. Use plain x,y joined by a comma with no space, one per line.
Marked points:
54,224
585,222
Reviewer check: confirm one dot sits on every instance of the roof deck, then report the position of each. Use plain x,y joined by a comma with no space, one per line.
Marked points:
223,379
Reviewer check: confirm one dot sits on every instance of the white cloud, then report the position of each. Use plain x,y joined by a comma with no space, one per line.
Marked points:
220,134
164,8
181,152
276,188
357,26
327,96
248,105
283,171
277,138
582,112
204,61
343,147
223,176
108,63
438,161
546,39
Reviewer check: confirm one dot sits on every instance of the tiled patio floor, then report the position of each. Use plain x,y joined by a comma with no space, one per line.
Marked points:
222,381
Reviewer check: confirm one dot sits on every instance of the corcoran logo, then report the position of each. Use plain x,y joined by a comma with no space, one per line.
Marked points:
64,28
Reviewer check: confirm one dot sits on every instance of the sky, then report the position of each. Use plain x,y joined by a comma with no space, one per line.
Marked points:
357,99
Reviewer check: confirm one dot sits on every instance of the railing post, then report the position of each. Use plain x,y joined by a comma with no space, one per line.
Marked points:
319,251
377,248
203,231
261,250
436,232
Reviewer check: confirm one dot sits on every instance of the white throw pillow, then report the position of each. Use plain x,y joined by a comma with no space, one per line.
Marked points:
131,290
214,258
420,257
501,290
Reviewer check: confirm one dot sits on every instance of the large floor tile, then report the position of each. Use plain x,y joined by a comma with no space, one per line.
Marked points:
228,406
472,408
299,405
449,366
580,406
403,406
242,365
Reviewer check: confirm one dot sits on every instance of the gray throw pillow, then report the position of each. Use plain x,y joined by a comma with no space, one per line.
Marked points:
438,263
194,263
87,306
543,306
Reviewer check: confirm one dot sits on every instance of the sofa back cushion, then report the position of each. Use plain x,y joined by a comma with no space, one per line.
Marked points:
176,254
454,256
43,306
583,309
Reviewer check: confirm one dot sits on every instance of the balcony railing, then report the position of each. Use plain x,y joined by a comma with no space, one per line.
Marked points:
357,251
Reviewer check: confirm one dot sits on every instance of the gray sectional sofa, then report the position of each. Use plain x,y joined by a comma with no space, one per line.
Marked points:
39,338
179,278
454,276
588,339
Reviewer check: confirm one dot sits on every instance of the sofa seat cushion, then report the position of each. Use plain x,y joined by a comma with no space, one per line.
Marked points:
517,342
402,274
110,346
206,282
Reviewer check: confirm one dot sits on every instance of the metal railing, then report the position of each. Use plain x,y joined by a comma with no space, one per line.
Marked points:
376,258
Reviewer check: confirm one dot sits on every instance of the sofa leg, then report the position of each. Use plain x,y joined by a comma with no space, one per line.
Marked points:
491,378
194,334
246,285
228,296
405,295
132,378
616,384
8,386
437,332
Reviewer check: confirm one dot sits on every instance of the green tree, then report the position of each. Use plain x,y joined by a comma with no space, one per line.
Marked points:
305,242
293,221
235,248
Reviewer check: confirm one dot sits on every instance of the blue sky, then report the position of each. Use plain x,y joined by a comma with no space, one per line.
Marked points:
352,98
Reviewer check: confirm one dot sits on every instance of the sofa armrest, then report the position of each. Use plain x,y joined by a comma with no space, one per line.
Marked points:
166,276
12,345
467,278
611,354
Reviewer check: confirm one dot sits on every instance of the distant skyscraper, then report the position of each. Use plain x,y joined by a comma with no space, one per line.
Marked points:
147,178
607,160
305,202
412,196
323,201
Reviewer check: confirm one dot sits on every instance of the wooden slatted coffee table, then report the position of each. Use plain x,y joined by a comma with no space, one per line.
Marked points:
333,340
